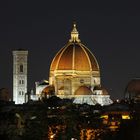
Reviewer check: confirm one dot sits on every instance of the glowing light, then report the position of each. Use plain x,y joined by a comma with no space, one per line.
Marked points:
17,115
33,117
113,128
104,116
46,81
125,117
117,100
52,136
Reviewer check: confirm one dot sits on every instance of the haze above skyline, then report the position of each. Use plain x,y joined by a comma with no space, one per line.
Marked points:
110,30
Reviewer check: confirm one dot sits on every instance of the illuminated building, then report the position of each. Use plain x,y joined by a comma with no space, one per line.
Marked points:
75,73
89,133
19,75
43,90
114,114
40,86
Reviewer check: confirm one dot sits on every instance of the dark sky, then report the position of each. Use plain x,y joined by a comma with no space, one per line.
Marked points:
110,30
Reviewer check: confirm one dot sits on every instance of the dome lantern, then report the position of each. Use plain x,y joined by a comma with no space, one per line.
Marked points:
74,34
75,56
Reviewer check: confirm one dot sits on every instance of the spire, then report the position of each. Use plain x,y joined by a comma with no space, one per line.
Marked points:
74,34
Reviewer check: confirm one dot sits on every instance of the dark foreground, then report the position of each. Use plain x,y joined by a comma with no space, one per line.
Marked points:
62,120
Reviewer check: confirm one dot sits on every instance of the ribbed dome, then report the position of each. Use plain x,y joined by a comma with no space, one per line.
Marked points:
83,90
74,56
133,86
48,90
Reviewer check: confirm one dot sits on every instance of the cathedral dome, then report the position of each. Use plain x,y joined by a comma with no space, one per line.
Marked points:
132,90
133,86
83,90
48,90
74,56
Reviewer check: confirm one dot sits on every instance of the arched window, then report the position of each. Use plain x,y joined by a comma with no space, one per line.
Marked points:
67,86
21,68
19,92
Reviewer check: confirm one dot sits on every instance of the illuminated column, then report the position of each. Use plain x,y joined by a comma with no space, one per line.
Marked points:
19,75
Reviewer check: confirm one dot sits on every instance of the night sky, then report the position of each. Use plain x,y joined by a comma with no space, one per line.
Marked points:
110,30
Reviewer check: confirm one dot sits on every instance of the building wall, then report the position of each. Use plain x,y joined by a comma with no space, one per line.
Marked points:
66,82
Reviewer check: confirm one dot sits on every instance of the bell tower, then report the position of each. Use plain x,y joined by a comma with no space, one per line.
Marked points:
19,75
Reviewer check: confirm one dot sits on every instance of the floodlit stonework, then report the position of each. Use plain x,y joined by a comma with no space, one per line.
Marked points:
75,66
19,75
